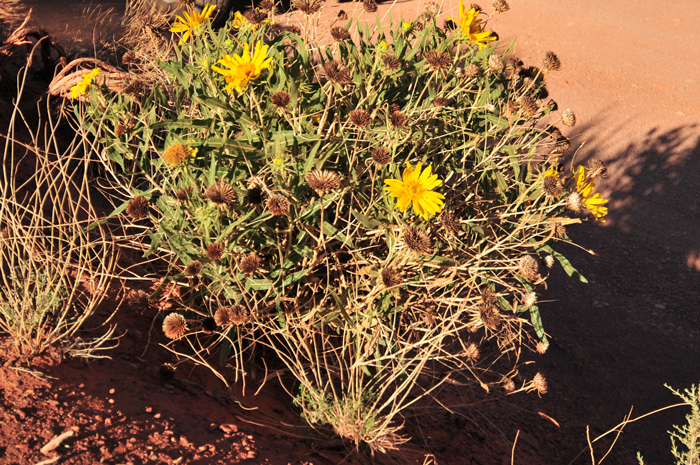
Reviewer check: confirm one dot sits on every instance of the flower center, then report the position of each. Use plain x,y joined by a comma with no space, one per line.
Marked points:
414,189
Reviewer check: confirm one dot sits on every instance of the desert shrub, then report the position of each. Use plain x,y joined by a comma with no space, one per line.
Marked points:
372,210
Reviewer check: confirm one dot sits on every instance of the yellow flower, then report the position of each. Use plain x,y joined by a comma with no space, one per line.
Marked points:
177,154
415,187
384,45
472,28
593,202
191,21
243,68
240,21
406,26
81,87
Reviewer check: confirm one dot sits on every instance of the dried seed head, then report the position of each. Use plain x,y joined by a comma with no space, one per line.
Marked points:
238,315
560,230
336,72
139,301
221,193
438,60
176,154
208,325
250,263
391,63
450,222
471,70
511,108
280,99
562,146
417,240
471,353
574,202
501,6
474,6
267,5
119,130
568,117
553,186
529,299
440,102
293,28
342,15
256,16
528,106
193,268
166,372
433,9
370,6
278,204
174,326
489,314
596,168
394,107
323,181
391,277
215,251
551,62
137,208
360,118
541,347
529,268
509,386
308,7
539,383
381,156
183,194
339,34
418,26
516,63
496,63
398,120
549,260
221,317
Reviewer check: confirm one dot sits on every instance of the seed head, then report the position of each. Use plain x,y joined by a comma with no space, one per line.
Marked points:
528,106
308,7
394,107
215,251
342,15
336,72
250,263
596,168
137,208
471,70
541,347
183,194
166,372
511,108
433,9
501,6
221,193
360,118
391,277
568,117
381,156
440,102
139,301
193,268
255,16
551,62
417,240
293,28
539,384
418,26
176,154
489,315
119,130
496,63
221,317
267,5
529,299
391,63
278,204
339,34
398,120
574,202
529,268
553,186
174,326
370,6
450,222
509,386
438,60
560,229
562,146
280,99
474,6
238,315
471,353
323,181
516,63
549,261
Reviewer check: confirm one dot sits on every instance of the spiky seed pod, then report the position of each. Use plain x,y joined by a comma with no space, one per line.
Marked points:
440,102
119,130
516,63
509,386
474,6
381,156
551,62
208,325
176,154
323,181
221,193
541,347
254,195
370,6
166,372
308,7
529,268
394,107
471,353
562,146
553,186
597,168
250,263
529,299
528,106
539,384
256,16
184,194
568,117
559,230
293,28
137,208
221,317
549,261
471,70
501,6
238,315
174,326
511,108
433,9
391,277
215,251
278,204
139,301
489,315
339,34
438,60
342,15
574,202
398,120
360,118
418,26
450,222
336,72
417,240
496,63
267,5
280,99
193,268
391,63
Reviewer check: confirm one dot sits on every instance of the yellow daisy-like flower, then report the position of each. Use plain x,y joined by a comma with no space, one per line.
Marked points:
593,202
471,26
416,188
245,68
81,87
191,21
177,154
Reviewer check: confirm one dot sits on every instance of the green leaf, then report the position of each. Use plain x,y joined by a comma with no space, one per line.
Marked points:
566,264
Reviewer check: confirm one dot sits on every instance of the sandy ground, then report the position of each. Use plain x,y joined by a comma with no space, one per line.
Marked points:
631,72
